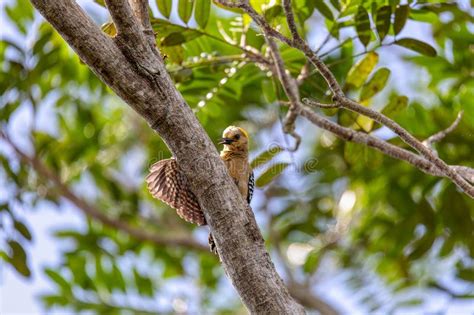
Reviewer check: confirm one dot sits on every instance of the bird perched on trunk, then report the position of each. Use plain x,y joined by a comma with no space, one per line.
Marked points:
167,183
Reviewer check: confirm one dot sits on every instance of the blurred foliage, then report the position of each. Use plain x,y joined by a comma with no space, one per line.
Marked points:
366,214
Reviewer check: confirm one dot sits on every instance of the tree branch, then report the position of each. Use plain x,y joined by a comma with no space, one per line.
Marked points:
313,103
408,139
291,89
91,211
130,37
380,145
340,99
153,95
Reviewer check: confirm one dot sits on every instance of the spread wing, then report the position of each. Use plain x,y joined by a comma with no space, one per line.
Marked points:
167,183
251,187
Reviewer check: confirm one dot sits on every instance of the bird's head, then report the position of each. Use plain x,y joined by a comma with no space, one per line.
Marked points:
235,139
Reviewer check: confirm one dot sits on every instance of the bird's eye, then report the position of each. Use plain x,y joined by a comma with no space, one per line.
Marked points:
237,137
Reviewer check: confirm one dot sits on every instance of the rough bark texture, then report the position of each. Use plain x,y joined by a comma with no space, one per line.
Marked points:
141,80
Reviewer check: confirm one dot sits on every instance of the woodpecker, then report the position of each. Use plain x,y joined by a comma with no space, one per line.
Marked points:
167,183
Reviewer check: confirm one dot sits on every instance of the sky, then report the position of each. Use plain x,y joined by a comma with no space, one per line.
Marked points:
19,296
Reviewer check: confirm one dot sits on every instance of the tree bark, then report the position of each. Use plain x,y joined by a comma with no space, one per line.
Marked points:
140,79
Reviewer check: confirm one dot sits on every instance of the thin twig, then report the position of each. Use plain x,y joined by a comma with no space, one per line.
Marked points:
290,19
304,74
291,89
313,103
443,133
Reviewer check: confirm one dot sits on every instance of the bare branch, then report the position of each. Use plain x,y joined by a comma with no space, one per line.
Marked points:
130,37
290,19
313,103
376,143
140,10
466,172
291,89
91,211
443,133
304,74
408,139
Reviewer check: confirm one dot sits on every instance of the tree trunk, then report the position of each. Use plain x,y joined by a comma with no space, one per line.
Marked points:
134,70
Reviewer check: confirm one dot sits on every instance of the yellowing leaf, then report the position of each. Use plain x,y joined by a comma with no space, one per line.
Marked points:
375,84
395,106
361,70
109,29
365,123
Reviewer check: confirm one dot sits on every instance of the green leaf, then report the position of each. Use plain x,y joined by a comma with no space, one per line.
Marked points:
163,27
117,277
312,262
22,229
401,15
8,109
466,274
18,258
336,4
448,246
363,25
59,280
143,284
185,9
375,84
383,21
422,246
164,6
55,300
179,38
271,173
324,9
417,45
395,106
361,70
268,91
265,156
202,11
273,12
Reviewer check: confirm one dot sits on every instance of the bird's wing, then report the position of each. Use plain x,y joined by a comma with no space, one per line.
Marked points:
167,183
251,187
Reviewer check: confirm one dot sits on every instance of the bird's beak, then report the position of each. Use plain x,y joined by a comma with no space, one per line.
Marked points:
225,141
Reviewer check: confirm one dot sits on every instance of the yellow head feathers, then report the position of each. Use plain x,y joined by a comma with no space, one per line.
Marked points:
235,139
